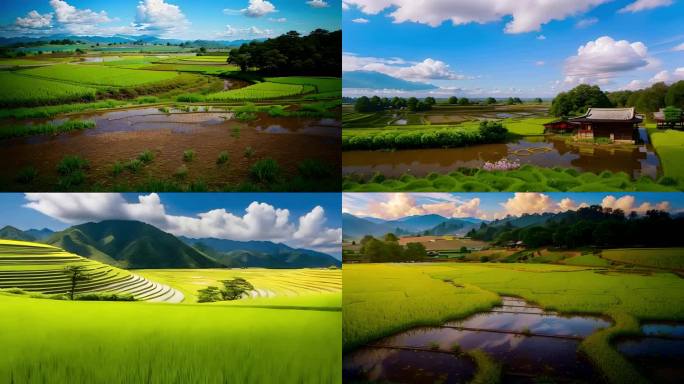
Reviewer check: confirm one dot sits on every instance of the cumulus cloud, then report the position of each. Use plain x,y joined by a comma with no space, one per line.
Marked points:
258,8
541,37
428,69
68,14
157,16
530,203
317,3
527,16
679,47
246,33
34,20
397,205
628,204
361,20
260,221
642,5
600,60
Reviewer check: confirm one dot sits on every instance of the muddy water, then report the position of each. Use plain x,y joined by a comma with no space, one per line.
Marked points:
546,152
659,355
122,135
529,342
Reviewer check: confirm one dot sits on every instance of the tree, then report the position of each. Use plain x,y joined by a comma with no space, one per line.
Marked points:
362,105
490,101
492,131
463,101
209,295
415,252
672,115
391,237
675,95
538,100
235,288
430,100
240,59
453,100
76,273
577,100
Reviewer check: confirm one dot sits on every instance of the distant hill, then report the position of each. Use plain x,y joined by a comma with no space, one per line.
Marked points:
39,234
356,227
262,254
377,80
118,39
418,223
451,227
130,244
11,233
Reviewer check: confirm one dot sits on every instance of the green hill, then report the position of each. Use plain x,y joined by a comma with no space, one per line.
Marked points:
11,233
130,244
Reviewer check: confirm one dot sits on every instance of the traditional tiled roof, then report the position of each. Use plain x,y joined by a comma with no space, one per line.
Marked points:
609,114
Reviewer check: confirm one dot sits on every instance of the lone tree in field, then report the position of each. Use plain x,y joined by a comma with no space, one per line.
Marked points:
76,274
234,289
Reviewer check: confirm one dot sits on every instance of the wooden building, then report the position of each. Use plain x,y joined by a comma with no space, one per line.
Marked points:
615,124
662,123
560,126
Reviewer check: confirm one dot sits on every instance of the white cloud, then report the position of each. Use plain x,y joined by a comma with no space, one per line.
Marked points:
260,221
539,63
527,16
345,6
633,85
600,60
278,20
157,16
361,20
641,5
68,14
541,37
584,23
428,69
627,204
662,76
34,20
679,47
318,3
530,203
392,206
258,8
246,33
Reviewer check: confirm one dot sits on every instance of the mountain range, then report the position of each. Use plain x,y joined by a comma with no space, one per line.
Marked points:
377,80
356,227
122,39
137,245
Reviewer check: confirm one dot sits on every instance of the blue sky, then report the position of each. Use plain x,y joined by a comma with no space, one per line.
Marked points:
182,19
511,48
300,220
490,206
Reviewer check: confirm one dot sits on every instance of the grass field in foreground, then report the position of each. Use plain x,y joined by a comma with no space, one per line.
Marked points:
669,144
528,178
381,299
48,341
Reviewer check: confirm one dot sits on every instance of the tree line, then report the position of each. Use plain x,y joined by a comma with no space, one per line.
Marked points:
365,104
316,54
388,249
648,100
592,226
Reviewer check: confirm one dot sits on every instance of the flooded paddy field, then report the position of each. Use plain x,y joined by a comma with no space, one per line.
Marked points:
659,353
209,132
544,151
531,345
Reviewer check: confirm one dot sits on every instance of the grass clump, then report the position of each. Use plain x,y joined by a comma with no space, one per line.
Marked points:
45,129
265,171
146,157
134,165
71,164
222,158
27,175
488,370
188,155
181,172
249,152
117,168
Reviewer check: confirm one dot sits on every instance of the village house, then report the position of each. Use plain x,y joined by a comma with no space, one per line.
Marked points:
661,122
615,124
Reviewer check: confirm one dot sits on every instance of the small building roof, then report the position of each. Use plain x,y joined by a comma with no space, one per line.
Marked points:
610,114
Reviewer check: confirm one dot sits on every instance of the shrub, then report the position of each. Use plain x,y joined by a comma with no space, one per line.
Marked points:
249,152
315,169
71,164
104,296
181,172
188,155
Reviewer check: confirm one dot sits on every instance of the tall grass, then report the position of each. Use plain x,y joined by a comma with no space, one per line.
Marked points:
45,129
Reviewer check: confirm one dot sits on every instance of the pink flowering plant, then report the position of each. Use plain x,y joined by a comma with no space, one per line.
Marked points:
501,165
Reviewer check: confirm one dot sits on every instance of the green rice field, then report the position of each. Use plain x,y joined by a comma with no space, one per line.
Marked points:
666,258
383,299
23,90
98,75
260,91
291,334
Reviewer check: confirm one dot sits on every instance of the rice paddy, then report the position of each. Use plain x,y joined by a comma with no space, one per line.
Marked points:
21,90
382,299
98,75
260,91
288,331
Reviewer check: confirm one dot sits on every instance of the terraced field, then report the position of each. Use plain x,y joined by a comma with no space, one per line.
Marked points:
98,75
39,268
261,91
268,283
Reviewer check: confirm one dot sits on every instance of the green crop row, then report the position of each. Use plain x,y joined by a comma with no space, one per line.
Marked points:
259,91
98,75
22,90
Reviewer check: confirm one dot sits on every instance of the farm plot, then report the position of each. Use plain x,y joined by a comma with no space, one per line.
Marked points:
39,268
666,258
311,286
260,91
98,75
322,84
22,90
